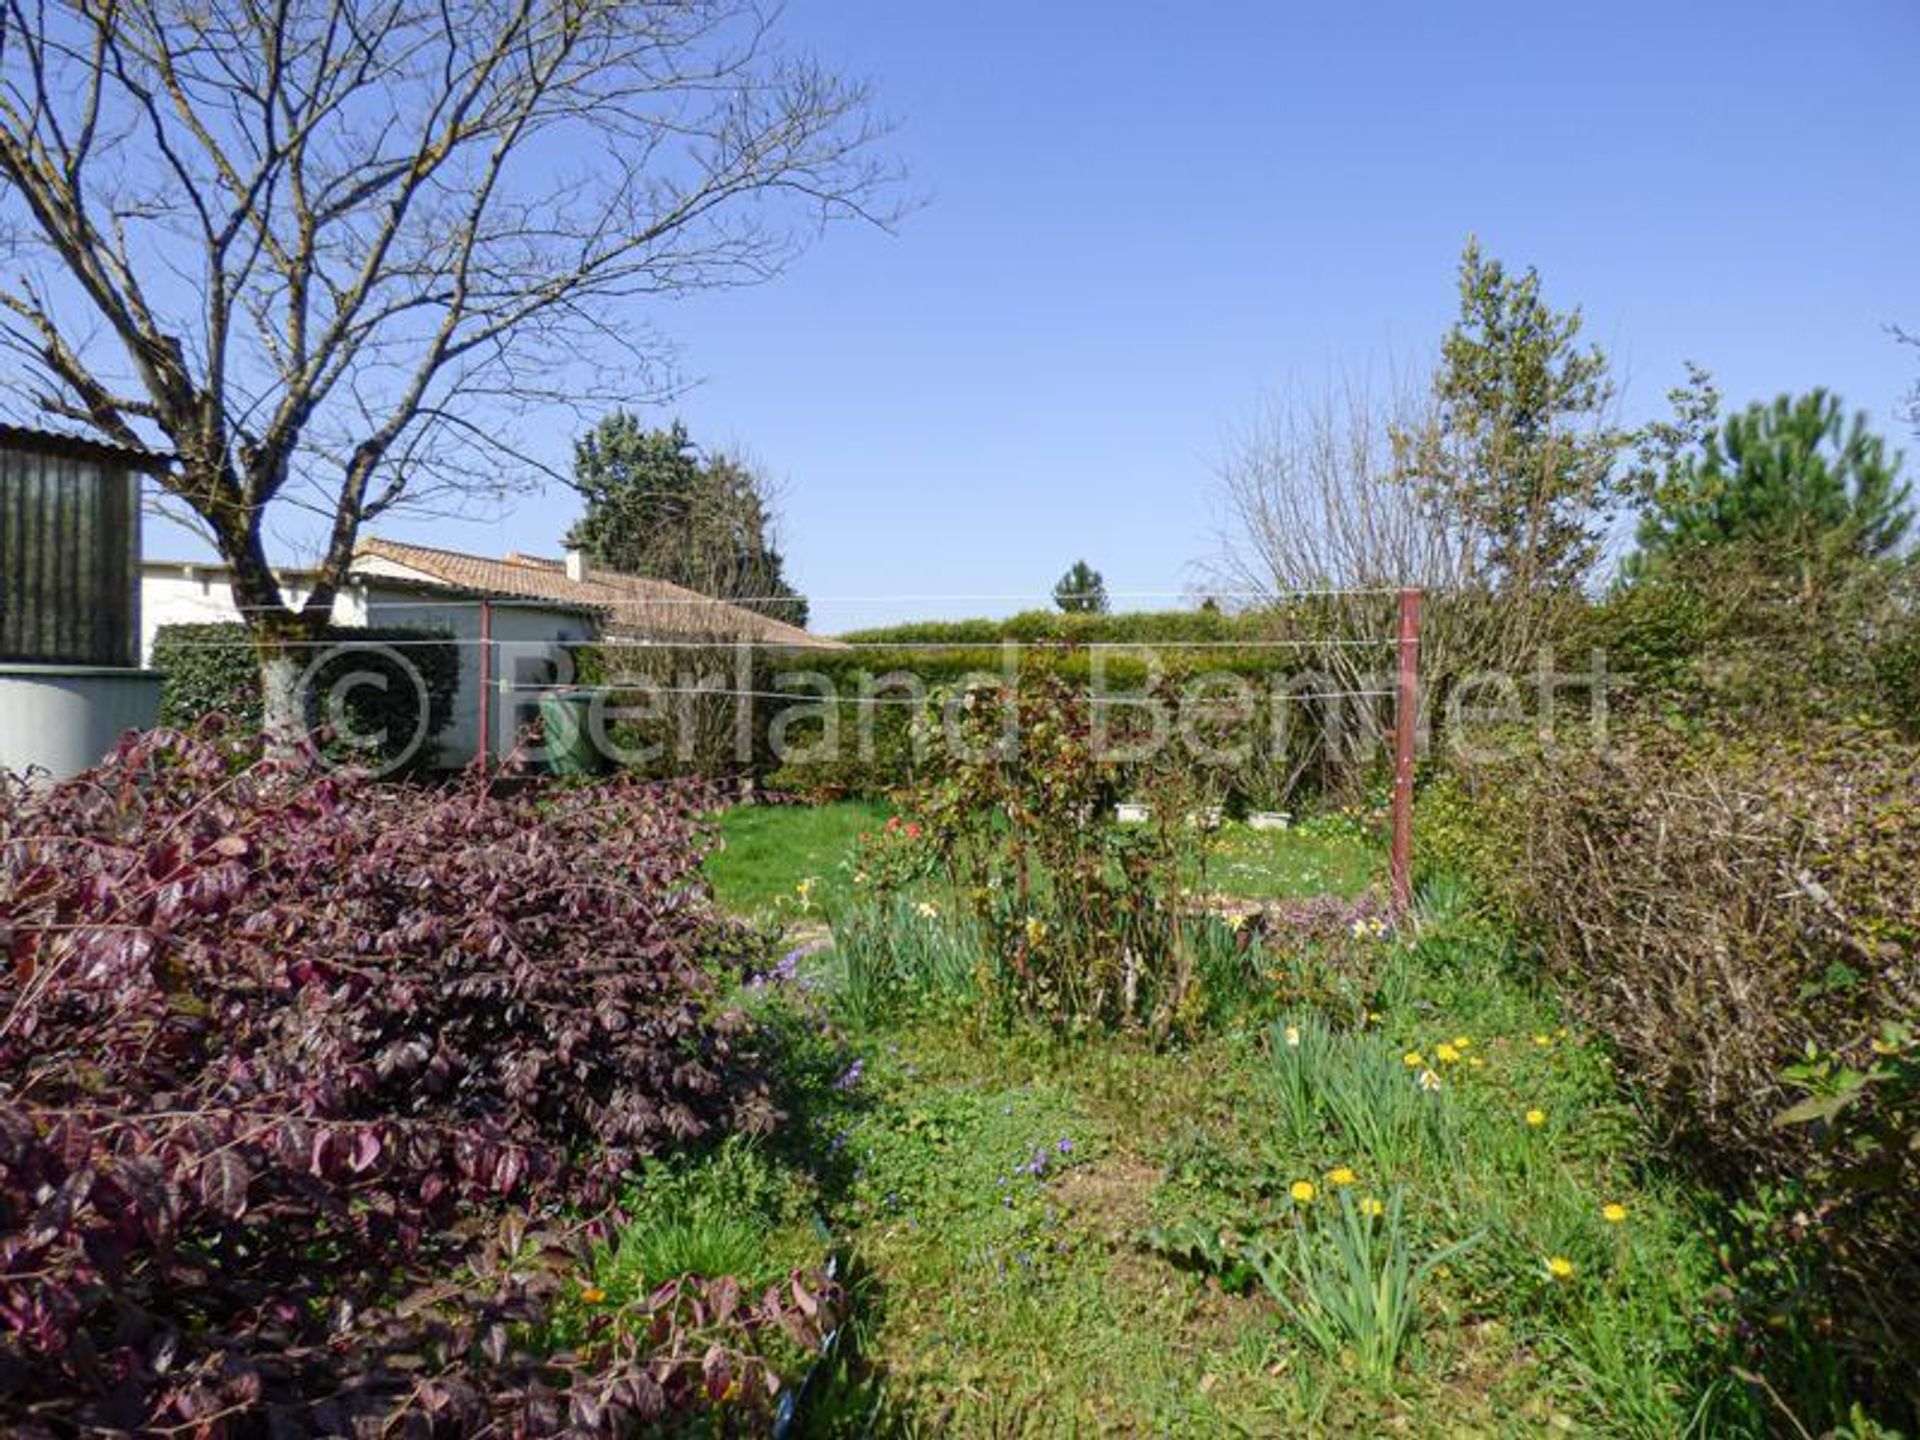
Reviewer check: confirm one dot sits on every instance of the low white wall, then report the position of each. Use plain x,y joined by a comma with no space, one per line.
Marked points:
64,719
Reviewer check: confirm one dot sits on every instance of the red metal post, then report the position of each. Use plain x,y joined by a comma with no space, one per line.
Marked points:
1406,724
486,686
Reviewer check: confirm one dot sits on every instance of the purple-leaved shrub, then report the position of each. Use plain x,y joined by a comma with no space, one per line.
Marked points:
313,1091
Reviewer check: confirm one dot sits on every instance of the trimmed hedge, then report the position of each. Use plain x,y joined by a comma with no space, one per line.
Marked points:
213,668
1118,654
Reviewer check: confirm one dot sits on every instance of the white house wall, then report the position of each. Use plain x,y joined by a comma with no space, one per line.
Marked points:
205,597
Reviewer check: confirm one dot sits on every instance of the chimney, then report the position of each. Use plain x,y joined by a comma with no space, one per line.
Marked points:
576,565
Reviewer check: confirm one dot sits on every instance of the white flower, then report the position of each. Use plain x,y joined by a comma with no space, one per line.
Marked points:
927,910
1428,1081
1293,1036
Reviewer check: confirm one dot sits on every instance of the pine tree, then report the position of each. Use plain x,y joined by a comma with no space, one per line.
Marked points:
1806,492
1081,591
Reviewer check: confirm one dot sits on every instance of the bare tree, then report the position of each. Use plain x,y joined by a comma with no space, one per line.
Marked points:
1318,530
1311,501
324,252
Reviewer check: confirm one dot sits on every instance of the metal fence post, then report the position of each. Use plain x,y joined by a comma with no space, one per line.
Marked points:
1405,733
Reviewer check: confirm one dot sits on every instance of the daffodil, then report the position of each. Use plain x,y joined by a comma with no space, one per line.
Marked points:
1614,1213
1536,1118
1341,1175
1413,1059
1559,1268
927,910
1293,1035
1372,1207
1302,1191
1445,1053
1428,1081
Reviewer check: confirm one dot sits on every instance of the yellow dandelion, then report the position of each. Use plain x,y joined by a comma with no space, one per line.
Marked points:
1559,1268
1413,1059
1341,1175
1303,1191
1445,1053
1536,1118
1476,1062
593,1294
1543,1041
1462,1042
1372,1208
1614,1214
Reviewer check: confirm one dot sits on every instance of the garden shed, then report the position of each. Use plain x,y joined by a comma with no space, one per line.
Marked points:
70,676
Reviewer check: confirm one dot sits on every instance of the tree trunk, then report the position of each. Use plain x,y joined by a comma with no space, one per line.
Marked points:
283,708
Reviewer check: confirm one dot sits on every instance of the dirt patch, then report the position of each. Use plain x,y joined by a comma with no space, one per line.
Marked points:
1115,1193
1111,1202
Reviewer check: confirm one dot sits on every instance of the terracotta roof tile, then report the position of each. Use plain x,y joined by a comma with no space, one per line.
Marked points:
632,605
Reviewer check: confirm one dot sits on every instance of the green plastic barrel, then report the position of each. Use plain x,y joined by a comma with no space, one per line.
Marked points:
570,747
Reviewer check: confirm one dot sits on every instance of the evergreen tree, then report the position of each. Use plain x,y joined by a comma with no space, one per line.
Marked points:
1517,453
1805,492
657,507
1081,591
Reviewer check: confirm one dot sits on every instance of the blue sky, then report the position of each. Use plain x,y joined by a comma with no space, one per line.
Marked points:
1142,218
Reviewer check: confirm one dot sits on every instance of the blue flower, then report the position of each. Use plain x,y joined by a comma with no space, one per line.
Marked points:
1066,1146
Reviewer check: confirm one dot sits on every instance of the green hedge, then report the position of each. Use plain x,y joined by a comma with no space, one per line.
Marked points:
214,669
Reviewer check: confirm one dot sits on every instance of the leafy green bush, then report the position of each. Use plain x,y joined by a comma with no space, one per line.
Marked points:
213,669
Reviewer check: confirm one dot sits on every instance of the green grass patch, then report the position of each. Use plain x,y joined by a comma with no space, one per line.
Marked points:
1425,1207
767,851
1317,857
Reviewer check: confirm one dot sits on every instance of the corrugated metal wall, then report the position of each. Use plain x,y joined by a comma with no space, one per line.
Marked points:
69,562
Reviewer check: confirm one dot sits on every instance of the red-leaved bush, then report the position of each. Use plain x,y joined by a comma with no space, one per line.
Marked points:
305,1086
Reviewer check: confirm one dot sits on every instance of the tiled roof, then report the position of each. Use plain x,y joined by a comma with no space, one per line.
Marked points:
632,605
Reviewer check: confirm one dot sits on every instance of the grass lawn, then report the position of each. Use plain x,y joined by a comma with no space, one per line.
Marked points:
1315,858
1279,1228
767,850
